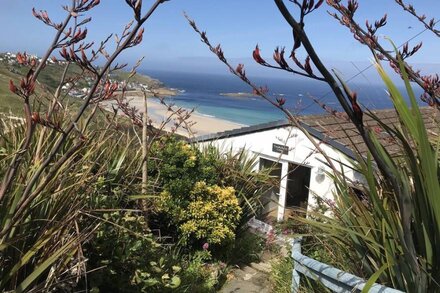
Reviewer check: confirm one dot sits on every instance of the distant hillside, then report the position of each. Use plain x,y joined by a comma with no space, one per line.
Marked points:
49,79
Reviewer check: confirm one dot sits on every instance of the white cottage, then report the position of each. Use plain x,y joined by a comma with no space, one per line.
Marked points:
299,166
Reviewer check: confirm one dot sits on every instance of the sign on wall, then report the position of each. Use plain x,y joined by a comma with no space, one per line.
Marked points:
281,149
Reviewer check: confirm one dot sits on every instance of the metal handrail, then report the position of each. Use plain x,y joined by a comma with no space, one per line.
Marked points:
331,277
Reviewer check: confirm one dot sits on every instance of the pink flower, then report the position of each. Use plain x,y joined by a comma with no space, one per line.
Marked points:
205,246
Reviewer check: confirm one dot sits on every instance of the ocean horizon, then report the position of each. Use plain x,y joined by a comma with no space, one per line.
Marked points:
203,92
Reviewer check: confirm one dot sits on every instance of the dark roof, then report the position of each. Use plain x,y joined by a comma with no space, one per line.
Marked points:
338,131
243,130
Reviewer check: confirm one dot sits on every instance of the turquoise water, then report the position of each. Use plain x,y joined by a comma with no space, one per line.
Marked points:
202,92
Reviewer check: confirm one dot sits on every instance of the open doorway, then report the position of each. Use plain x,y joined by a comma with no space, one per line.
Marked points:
270,199
297,193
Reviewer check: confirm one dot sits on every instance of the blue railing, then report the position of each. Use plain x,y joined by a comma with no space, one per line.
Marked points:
332,278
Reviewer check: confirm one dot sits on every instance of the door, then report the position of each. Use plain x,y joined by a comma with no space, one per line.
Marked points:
297,193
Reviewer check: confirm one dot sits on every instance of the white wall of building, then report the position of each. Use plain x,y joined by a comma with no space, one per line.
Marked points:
301,152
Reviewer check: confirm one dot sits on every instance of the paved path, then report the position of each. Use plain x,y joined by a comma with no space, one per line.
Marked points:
254,278
249,279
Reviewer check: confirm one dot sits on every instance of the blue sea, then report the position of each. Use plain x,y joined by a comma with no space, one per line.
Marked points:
202,92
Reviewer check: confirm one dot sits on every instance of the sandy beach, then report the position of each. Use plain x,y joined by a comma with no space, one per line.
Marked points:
200,124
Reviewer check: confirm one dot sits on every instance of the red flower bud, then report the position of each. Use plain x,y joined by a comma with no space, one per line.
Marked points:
78,33
22,83
34,12
21,58
377,129
219,52
278,56
84,56
140,35
281,101
31,88
35,117
12,87
356,108
107,86
261,91
307,66
240,70
45,16
68,33
64,53
257,57
72,53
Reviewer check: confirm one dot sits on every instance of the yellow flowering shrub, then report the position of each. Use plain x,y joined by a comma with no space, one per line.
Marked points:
211,216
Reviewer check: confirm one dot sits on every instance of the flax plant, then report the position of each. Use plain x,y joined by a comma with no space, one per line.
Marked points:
374,225
44,244
50,166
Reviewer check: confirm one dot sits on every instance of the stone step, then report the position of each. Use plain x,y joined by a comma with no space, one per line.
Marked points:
256,282
261,267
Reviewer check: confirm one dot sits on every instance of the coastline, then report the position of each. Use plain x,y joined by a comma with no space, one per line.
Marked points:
201,124
161,92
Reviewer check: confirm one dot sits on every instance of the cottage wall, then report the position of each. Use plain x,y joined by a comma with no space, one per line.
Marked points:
301,151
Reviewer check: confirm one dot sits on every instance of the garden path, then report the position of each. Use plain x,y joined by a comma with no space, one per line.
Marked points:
253,278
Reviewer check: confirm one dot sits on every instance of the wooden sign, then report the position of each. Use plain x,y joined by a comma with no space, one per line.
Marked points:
281,149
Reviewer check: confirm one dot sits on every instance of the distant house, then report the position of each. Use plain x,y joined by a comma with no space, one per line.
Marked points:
299,167
66,86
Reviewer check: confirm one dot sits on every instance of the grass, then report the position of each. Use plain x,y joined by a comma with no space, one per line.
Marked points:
48,81
281,275
8,101
120,75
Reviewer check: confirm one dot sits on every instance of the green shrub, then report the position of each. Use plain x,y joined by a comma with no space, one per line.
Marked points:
128,257
316,244
281,275
280,278
211,214
246,248
159,277
202,274
176,166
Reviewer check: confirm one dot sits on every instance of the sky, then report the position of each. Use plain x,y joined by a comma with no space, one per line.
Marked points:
170,44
